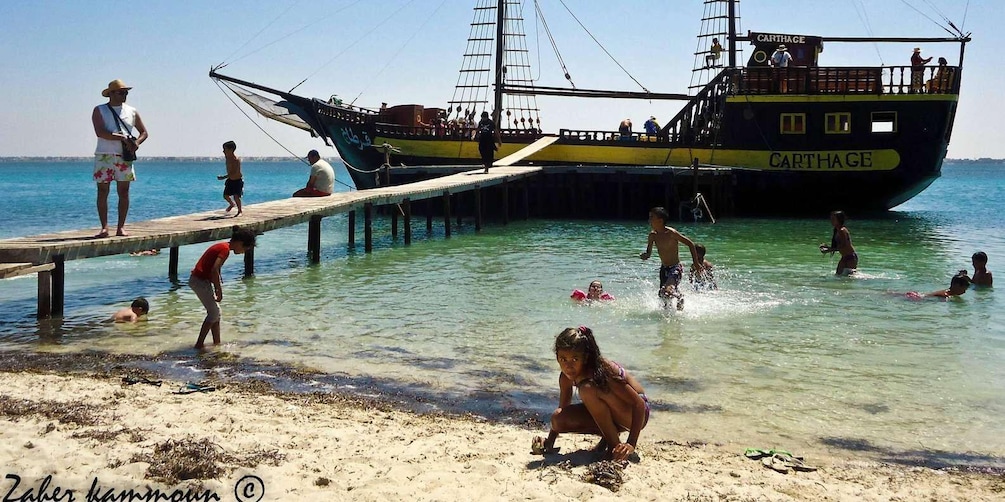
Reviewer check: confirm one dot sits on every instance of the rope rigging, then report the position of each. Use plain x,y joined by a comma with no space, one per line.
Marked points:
554,45
295,156
290,34
581,25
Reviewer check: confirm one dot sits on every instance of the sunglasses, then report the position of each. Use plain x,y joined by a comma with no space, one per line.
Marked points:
121,93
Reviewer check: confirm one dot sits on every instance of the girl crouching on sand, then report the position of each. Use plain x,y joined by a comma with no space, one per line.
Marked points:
207,283
612,400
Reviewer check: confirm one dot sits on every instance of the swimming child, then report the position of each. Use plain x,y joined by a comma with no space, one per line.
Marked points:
841,242
702,278
594,292
139,307
957,286
207,283
666,240
612,400
234,186
982,277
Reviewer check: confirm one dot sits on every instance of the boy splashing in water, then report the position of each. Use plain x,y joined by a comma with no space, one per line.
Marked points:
613,400
667,242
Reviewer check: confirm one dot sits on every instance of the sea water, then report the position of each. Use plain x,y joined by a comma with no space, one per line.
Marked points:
783,354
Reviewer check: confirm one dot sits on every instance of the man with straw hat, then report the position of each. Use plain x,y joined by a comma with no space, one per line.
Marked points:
780,60
120,131
918,69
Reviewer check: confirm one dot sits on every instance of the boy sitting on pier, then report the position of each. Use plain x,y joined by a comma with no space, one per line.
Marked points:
139,307
234,186
667,240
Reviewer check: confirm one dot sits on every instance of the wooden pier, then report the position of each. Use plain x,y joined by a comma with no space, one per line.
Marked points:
451,192
46,254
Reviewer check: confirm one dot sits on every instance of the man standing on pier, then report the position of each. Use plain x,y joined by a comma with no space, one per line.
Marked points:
322,180
115,124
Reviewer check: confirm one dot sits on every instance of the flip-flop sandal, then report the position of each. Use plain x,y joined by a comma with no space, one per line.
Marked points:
777,463
797,464
759,453
190,388
129,380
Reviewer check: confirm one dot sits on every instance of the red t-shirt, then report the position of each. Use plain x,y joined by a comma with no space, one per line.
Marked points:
204,266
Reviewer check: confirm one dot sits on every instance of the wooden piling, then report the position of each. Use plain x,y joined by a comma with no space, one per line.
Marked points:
478,209
446,213
394,224
314,239
505,202
249,262
173,263
44,294
352,228
58,284
368,227
406,208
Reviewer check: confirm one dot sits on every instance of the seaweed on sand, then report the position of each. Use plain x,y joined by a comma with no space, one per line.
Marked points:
606,473
70,412
174,461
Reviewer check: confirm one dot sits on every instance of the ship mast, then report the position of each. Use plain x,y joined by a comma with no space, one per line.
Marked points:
500,66
732,33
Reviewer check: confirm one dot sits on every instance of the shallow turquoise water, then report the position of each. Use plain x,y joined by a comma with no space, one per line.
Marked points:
784,353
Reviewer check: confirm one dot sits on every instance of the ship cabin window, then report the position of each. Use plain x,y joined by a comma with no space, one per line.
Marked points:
793,123
884,122
837,123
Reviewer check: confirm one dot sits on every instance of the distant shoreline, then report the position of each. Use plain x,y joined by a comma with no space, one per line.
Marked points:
158,159
283,159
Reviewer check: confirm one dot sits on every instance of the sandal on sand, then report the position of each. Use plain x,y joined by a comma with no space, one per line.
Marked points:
190,388
759,453
130,380
776,462
797,464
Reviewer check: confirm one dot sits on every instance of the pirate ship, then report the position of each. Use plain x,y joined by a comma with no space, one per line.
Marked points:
803,139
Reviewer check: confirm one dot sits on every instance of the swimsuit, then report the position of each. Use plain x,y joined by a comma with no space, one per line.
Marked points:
670,275
621,374
233,187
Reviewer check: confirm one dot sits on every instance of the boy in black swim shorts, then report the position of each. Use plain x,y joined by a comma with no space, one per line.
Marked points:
667,242
233,188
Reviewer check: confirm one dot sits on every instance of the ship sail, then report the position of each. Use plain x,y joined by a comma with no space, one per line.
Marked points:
280,111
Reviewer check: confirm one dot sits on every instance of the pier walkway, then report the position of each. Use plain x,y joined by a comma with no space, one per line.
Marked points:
45,254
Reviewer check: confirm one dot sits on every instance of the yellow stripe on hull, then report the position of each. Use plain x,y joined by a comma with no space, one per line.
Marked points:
466,152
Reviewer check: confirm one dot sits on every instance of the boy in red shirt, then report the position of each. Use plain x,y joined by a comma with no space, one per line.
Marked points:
207,283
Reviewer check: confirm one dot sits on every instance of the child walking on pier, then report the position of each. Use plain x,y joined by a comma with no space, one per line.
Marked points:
207,283
234,186
667,240
613,401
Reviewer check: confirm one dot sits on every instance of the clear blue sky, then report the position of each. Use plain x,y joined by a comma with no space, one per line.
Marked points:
57,56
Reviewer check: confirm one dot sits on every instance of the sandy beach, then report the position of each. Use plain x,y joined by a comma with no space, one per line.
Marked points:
100,437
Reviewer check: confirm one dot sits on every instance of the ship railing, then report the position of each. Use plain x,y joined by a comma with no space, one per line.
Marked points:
696,124
454,132
849,80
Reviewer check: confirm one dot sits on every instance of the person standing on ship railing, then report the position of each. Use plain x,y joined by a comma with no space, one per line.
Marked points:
780,61
918,70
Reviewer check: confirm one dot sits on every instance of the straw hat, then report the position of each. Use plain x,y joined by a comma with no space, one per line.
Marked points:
782,47
917,49
115,85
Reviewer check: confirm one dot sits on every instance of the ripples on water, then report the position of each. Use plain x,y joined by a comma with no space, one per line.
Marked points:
784,353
